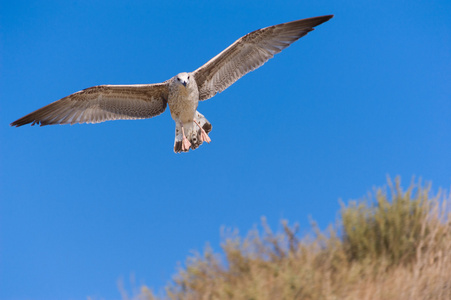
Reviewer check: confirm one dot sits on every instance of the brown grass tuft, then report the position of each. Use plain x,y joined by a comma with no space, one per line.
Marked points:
396,247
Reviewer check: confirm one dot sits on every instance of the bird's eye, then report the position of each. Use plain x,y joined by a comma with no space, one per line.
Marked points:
188,77
178,79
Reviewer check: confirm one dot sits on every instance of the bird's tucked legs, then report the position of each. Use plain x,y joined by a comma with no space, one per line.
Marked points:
203,135
185,143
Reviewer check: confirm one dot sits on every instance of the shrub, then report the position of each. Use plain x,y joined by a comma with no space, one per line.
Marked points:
388,228
396,247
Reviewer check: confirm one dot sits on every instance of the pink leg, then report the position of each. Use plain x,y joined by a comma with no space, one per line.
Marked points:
185,143
203,135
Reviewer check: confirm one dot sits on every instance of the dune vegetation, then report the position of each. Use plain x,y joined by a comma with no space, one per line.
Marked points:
393,244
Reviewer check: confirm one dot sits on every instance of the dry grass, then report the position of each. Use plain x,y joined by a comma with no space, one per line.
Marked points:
396,247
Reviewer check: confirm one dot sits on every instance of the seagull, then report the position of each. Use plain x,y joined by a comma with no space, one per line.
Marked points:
182,92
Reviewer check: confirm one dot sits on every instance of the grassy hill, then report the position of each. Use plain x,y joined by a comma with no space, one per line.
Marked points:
395,244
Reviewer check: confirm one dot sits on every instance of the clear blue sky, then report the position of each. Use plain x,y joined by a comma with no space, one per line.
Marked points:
365,95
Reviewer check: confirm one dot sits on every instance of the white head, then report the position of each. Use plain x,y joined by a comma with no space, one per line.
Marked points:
182,78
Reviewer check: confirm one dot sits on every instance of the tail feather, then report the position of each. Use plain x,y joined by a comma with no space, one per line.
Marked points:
192,133
203,122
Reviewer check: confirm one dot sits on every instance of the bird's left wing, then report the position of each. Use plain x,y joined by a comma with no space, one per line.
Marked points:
248,53
102,103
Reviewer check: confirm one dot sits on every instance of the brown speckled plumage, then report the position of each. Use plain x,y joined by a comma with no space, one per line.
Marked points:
102,103
182,92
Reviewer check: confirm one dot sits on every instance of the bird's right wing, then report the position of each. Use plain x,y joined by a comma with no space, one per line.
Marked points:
102,103
248,53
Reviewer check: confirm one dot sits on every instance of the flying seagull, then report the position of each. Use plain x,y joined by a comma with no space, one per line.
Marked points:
182,92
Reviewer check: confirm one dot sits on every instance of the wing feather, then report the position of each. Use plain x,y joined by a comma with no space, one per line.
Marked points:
249,53
102,103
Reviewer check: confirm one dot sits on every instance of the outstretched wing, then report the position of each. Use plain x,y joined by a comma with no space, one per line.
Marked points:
248,53
102,103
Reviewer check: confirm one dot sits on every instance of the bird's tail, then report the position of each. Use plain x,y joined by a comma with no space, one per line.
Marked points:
193,133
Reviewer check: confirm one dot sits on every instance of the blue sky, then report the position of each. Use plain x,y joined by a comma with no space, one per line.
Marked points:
366,95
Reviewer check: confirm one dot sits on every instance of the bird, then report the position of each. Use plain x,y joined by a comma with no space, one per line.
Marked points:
182,92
